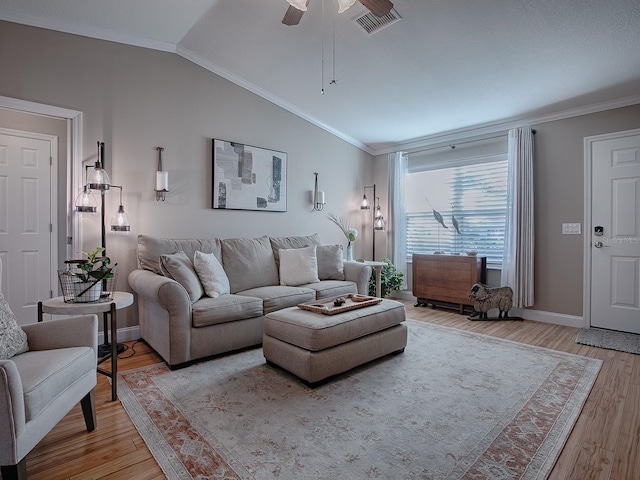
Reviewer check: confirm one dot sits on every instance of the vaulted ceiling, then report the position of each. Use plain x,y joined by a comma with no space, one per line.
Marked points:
447,65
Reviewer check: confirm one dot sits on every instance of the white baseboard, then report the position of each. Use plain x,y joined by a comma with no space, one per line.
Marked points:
527,314
124,334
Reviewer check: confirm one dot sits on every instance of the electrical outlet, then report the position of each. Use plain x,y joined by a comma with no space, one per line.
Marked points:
571,229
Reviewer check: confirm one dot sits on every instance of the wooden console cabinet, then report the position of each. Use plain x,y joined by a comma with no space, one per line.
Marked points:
447,279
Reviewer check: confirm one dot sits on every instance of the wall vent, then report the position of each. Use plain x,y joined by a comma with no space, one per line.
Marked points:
371,23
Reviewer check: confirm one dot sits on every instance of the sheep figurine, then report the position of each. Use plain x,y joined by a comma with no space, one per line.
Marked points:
485,298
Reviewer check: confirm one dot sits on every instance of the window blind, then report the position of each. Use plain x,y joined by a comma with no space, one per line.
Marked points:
474,193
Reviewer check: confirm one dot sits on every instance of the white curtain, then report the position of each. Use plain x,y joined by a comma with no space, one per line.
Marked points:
517,263
397,224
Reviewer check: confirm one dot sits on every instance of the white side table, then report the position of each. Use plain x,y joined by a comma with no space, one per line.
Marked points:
57,306
377,266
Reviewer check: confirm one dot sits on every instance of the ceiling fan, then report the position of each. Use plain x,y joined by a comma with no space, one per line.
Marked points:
296,8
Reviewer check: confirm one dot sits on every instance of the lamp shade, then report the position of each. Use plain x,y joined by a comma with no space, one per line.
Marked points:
299,4
365,203
98,179
345,5
379,224
120,221
86,203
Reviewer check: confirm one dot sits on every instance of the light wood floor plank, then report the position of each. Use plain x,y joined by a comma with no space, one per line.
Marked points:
603,444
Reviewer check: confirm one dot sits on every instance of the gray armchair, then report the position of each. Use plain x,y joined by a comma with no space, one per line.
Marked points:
39,387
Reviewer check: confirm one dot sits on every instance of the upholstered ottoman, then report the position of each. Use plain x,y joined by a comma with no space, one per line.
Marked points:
314,346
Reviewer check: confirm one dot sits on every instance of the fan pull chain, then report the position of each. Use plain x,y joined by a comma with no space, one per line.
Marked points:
322,54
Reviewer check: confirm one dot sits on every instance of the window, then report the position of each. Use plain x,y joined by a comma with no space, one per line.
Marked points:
474,191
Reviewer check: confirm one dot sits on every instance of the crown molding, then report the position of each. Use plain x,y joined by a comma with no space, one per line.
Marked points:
241,82
506,124
92,32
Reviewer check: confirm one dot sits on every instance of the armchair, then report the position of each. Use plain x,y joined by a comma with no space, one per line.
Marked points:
39,387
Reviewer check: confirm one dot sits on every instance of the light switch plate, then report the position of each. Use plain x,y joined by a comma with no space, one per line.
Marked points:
571,229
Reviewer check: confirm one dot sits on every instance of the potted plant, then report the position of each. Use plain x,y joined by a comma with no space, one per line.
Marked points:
91,272
390,279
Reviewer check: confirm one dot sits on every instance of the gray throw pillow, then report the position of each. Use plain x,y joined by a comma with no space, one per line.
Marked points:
282,243
179,267
248,263
330,263
13,340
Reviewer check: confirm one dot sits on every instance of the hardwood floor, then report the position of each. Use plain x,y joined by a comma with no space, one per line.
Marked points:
603,445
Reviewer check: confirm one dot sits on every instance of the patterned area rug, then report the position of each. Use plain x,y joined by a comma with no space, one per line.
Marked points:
598,337
454,405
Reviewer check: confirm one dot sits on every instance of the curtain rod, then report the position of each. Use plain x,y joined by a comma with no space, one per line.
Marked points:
452,146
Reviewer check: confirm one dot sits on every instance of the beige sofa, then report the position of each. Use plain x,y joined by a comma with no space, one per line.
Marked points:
183,323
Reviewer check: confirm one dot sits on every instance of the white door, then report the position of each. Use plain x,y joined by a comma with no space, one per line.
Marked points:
27,203
615,231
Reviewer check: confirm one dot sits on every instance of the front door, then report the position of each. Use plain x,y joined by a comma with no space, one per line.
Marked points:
26,221
615,231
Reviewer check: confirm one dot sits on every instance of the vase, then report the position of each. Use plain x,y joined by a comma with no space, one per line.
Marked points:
349,252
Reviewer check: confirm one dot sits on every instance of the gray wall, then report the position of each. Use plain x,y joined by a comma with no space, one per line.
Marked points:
135,99
559,198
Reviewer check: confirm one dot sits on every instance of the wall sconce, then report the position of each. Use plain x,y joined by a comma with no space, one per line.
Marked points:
318,196
162,179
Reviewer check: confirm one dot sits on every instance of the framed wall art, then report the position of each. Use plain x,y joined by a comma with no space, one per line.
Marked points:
248,178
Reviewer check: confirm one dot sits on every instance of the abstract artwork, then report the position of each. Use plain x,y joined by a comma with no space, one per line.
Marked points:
248,178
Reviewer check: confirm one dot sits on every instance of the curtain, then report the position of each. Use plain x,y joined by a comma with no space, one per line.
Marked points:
517,264
397,224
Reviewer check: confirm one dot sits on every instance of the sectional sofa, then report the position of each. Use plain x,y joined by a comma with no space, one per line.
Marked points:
202,297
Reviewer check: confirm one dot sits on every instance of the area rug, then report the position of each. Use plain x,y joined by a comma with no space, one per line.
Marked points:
454,405
598,337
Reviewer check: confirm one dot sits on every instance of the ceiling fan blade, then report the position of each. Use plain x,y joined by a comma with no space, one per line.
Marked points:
292,16
379,8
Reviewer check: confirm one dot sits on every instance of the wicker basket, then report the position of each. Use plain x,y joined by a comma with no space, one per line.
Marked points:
76,291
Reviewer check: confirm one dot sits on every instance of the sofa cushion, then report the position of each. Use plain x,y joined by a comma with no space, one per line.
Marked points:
283,243
332,288
330,263
211,274
178,266
298,266
45,374
279,296
13,340
150,248
225,308
249,263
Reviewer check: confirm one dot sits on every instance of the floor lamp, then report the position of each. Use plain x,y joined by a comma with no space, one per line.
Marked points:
378,219
98,180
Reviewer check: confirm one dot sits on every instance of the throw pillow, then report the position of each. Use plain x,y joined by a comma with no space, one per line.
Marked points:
285,243
298,266
179,267
330,264
211,274
13,340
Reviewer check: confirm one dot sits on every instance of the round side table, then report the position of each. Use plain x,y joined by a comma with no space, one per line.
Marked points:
57,306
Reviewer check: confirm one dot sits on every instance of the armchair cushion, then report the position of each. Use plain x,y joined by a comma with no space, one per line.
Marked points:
13,340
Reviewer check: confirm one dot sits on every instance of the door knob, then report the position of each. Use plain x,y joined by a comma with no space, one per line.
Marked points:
600,245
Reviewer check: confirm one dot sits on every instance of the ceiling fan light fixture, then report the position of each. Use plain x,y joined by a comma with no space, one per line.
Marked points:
299,4
344,5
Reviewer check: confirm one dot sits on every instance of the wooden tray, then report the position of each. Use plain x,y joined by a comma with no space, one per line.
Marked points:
327,307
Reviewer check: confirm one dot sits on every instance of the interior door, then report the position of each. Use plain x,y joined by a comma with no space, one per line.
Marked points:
26,222
615,231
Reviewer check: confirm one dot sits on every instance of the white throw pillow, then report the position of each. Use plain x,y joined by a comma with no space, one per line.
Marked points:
13,340
298,266
212,276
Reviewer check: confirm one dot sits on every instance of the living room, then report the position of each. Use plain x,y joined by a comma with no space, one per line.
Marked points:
135,99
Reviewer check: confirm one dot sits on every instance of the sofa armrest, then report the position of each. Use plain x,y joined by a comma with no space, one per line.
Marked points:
359,273
12,414
164,314
80,331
